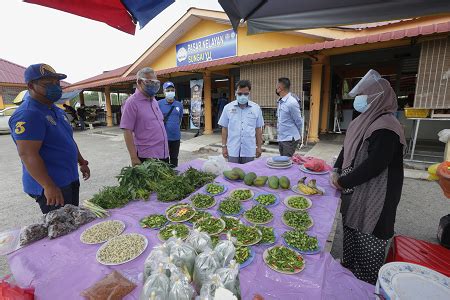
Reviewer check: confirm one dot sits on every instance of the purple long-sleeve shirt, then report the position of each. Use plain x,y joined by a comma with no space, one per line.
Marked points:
144,118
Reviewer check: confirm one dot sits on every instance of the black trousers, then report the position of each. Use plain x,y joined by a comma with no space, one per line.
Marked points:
174,150
71,195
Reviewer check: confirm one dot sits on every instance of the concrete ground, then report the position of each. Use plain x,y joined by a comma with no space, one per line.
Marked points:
420,209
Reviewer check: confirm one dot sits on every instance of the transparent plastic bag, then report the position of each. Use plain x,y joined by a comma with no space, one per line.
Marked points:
183,256
180,289
226,251
230,278
205,265
157,285
172,242
444,135
208,290
113,286
199,241
215,164
157,257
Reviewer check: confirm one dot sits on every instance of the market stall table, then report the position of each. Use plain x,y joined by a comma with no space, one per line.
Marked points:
64,267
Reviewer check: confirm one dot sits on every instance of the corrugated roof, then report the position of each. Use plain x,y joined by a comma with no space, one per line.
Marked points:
372,25
375,38
14,73
104,75
11,72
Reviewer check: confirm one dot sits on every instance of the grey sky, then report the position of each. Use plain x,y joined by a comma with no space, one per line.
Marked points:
77,46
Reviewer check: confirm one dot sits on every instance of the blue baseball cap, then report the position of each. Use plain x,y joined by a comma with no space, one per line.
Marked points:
38,71
168,84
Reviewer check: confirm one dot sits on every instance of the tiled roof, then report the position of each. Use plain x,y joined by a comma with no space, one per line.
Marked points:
11,72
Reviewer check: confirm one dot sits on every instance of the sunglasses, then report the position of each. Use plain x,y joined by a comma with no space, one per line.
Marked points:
240,94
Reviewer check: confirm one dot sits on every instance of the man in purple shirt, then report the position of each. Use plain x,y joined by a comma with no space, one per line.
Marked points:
143,122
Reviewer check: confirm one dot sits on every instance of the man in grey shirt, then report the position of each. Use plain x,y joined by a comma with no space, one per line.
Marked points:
289,118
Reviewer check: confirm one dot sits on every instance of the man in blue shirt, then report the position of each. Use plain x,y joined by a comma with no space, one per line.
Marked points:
45,143
242,123
289,118
221,104
173,114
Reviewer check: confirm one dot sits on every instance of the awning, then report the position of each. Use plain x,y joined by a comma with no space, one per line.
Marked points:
120,14
284,15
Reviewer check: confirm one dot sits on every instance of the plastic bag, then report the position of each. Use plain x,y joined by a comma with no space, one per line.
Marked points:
205,265
432,171
230,278
226,251
157,285
113,286
180,289
9,241
32,233
199,241
8,290
215,165
183,256
157,257
444,135
208,290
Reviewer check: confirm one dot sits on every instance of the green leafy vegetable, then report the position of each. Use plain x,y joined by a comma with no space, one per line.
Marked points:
243,194
298,202
153,221
112,197
210,225
230,206
199,215
284,259
246,235
202,201
297,219
214,189
180,213
258,214
268,235
181,231
242,254
301,240
230,222
266,199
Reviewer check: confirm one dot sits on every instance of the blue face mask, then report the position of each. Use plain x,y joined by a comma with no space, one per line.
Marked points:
53,92
360,103
242,99
151,90
170,95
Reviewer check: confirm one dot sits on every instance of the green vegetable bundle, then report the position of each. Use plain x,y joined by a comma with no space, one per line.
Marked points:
112,197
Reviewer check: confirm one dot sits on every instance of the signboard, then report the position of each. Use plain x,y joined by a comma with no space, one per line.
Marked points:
212,47
196,103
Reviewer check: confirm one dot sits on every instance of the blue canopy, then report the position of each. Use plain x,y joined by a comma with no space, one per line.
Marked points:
144,11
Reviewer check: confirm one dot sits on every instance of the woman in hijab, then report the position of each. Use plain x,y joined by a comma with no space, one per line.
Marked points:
369,171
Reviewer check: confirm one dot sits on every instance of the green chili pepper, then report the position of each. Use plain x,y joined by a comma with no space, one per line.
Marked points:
246,235
268,235
242,254
301,240
258,214
297,219
284,259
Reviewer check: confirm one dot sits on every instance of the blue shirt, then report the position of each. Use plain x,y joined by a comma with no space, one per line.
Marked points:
173,122
241,124
289,118
34,121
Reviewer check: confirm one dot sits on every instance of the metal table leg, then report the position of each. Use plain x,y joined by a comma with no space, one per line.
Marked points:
413,149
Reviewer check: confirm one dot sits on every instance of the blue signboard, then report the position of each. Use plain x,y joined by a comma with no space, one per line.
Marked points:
215,46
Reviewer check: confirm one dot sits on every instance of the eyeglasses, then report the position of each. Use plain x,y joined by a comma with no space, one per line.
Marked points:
240,94
150,81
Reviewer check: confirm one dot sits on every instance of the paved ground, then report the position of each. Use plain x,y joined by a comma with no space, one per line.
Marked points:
420,209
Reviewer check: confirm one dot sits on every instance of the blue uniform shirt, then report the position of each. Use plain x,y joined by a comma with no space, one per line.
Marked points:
173,122
34,121
241,124
290,122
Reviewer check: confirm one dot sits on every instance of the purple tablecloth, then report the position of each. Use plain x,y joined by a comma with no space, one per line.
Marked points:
61,268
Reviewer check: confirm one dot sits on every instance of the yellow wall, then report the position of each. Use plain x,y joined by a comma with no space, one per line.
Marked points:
246,44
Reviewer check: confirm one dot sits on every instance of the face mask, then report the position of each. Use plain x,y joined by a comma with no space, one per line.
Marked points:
170,95
242,99
53,92
360,103
151,90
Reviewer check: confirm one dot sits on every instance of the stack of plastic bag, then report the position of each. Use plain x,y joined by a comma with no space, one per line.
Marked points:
199,241
229,277
180,289
208,289
226,251
157,285
205,265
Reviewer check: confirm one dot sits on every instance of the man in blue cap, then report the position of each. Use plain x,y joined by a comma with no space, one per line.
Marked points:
173,114
45,143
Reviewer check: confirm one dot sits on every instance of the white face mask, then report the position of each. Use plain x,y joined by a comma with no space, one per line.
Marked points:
360,103
170,95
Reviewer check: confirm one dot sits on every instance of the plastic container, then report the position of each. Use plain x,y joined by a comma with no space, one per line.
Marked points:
443,172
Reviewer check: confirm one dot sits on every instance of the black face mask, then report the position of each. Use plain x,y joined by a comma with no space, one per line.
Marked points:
276,92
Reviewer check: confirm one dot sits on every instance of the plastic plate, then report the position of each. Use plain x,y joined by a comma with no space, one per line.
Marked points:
225,188
111,237
118,237
305,170
303,251
249,260
277,199
286,203
266,253
240,189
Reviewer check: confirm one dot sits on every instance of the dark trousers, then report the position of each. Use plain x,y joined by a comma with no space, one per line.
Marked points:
174,150
71,195
240,160
142,159
288,148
